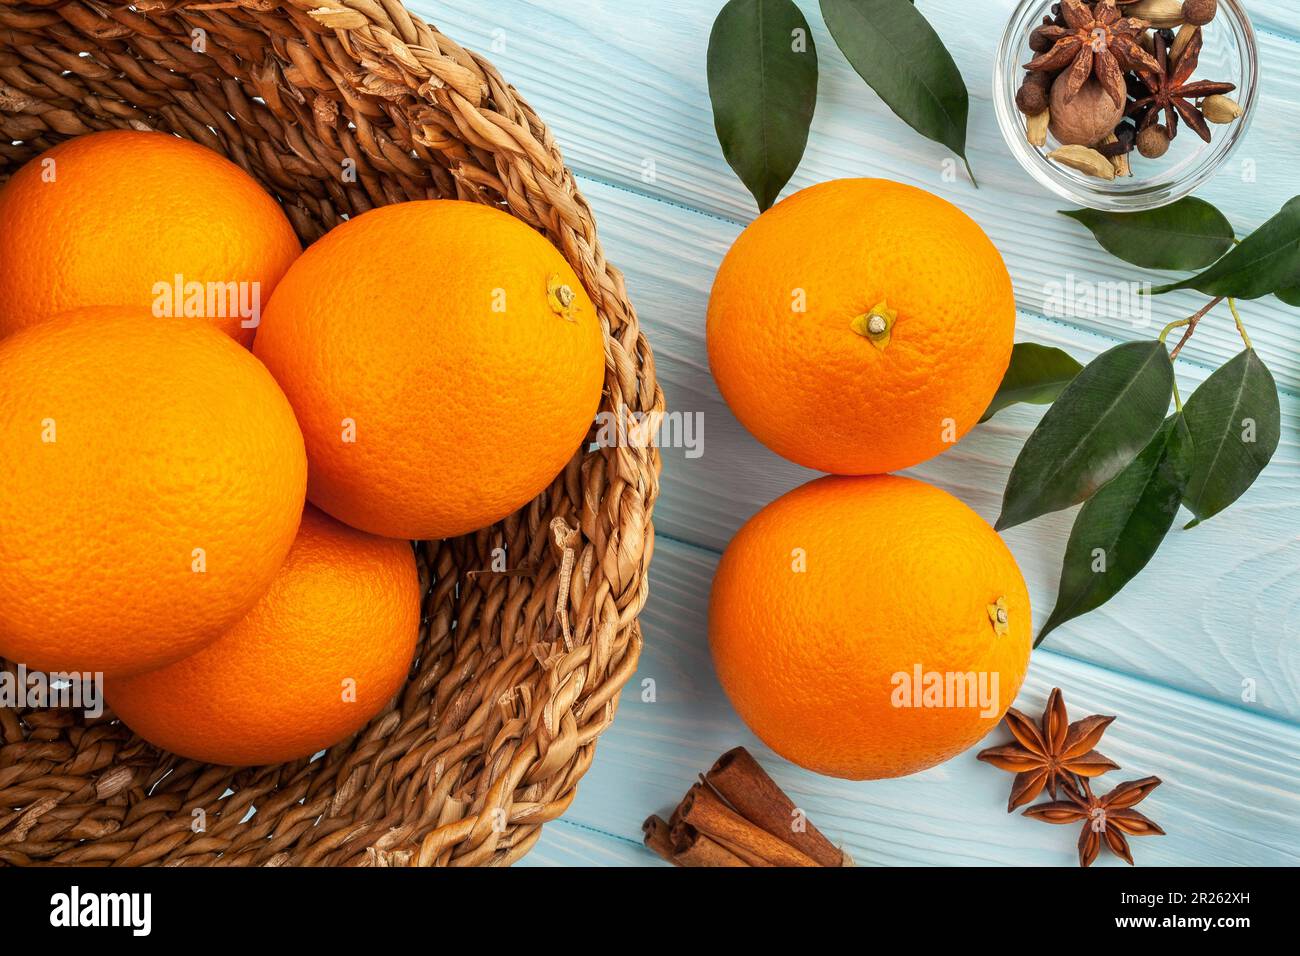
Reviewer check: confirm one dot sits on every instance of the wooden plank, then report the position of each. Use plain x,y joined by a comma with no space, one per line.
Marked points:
1208,624
1230,796
566,842
1216,606
1277,17
623,88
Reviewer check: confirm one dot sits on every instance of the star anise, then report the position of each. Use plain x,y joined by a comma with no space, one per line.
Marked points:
1047,755
1170,91
1095,39
1110,817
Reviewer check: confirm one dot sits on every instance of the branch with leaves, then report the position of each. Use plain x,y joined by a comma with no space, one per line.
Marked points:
1109,440
762,67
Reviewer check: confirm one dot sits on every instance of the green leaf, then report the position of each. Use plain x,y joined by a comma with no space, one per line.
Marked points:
1036,375
1091,433
894,48
762,67
1236,421
1118,529
1290,296
1265,261
1188,234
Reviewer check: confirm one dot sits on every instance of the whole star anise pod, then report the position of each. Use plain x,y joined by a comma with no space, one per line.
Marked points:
1107,818
1169,90
1047,755
1094,40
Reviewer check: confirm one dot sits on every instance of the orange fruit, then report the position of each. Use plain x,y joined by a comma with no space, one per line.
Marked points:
860,326
837,610
319,655
154,478
440,381
114,218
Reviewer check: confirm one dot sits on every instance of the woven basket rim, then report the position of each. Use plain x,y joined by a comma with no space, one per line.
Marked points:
518,674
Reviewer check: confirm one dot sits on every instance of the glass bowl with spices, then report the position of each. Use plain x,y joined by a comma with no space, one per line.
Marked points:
1125,105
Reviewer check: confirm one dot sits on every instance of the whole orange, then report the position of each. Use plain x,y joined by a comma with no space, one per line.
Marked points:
319,655
139,219
154,479
861,326
869,627
444,362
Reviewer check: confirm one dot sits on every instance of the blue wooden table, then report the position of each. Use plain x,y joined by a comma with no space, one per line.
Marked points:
1199,657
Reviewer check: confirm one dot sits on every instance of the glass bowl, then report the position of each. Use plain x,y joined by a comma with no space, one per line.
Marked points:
1229,55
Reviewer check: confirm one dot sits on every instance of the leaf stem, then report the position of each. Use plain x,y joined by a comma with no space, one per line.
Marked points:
1241,328
1164,333
970,172
1191,324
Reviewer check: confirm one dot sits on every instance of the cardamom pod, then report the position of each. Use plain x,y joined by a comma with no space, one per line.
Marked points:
1085,159
1221,109
1185,34
1161,14
1036,128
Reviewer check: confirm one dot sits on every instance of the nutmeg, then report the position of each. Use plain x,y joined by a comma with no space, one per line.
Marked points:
1085,119
1199,12
1153,142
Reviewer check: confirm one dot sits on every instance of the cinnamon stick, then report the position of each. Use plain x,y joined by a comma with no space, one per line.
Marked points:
693,848
749,856
657,837
704,810
675,817
747,787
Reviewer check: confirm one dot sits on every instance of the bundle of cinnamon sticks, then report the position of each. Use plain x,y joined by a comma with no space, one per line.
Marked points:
737,816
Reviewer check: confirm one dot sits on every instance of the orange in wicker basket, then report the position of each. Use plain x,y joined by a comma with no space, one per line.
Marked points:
315,659
450,428
335,111
166,441
202,219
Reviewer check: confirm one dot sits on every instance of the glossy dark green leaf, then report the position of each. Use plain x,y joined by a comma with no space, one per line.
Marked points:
762,67
1037,375
1236,421
1290,296
1118,530
894,48
1265,261
1093,430
1188,234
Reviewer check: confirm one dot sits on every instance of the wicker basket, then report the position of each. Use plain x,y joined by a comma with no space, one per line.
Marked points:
517,674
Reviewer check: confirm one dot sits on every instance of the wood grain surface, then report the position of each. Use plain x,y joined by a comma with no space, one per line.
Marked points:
1199,657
